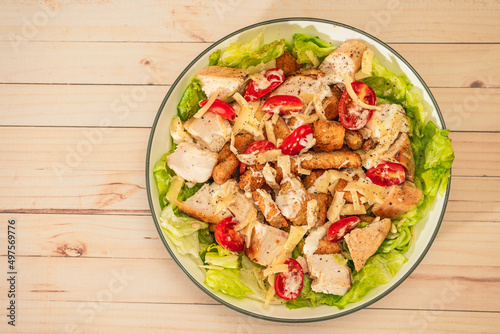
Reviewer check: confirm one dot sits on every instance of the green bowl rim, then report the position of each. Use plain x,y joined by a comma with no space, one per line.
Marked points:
205,288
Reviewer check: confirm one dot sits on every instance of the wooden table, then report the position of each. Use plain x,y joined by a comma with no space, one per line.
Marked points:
80,84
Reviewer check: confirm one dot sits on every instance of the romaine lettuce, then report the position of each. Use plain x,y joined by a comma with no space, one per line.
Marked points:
163,175
227,281
216,255
189,104
303,43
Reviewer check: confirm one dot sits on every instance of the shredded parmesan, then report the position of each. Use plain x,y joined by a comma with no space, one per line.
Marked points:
270,132
366,62
209,103
275,269
307,119
319,108
283,162
372,192
275,117
350,210
312,213
270,292
312,57
355,200
354,97
269,174
336,206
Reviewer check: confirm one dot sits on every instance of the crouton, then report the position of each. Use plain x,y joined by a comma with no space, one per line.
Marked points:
271,212
281,130
228,163
311,178
327,247
331,104
368,145
328,160
353,139
294,169
347,194
329,136
287,63
253,178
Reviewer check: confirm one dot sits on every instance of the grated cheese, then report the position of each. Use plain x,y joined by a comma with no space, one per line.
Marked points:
270,292
366,62
349,210
319,108
355,200
312,57
270,132
307,119
372,193
283,162
209,103
177,131
275,117
336,206
269,174
354,97
312,212
275,269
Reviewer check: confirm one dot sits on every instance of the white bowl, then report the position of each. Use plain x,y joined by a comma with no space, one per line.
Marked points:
425,230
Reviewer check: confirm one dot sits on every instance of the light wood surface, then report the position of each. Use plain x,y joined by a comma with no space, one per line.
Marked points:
89,259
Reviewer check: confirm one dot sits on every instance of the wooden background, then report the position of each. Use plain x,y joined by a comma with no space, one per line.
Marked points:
80,84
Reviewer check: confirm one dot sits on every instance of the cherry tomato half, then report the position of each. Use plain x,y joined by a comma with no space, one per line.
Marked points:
288,284
222,108
351,115
341,227
228,237
282,104
297,140
387,174
275,76
259,146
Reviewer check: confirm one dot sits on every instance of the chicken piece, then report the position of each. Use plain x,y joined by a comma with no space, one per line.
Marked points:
271,212
281,130
399,199
200,207
345,60
327,160
353,139
210,130
294,169
228,163
324,201
364,242
401,152
292,200
299,84
311,72
226,78
347,195
253,178
265,244
329,276
331,104
287,63
310,179
241,207
329,136
192,162
327,247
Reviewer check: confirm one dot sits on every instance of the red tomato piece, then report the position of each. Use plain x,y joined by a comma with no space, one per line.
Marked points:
228,237
275,76
297,140
259,146
282,104
288,284
222,108
387,174
341,227
351,115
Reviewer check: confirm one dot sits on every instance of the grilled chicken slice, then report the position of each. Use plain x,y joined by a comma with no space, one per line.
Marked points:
329,275
345,60
292,200
199,205
192,162
398,200
300,84
364,242
401,152
226,78
266,244
210,130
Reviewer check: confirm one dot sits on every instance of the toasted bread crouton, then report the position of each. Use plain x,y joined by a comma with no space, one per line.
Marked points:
226,78
294,169
331,104
328,160
399,199
228,163
353,139
253,178
364,242
265,244
199,206
292,200
368,145
270,210
327,247
329,136
281,130
345,60
311,178
323,201
287,63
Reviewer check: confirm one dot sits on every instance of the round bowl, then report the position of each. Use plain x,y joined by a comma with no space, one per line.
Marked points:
425,230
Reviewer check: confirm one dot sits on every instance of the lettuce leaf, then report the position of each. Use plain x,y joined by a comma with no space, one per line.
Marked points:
303,43
163,176
182,230
216,255
228,281
213,59
189,104
250,53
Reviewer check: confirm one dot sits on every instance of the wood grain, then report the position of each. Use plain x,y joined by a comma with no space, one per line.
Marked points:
464,109
152,63
187,21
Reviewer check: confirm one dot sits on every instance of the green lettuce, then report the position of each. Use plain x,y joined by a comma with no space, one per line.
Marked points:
303,43
250,53
163,177
182,230
227,281
216,255
189,104
213,59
